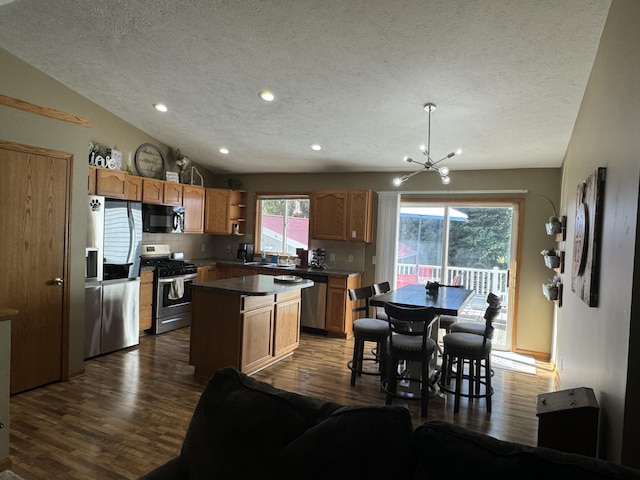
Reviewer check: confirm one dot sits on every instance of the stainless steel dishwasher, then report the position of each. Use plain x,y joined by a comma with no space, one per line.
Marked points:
313,307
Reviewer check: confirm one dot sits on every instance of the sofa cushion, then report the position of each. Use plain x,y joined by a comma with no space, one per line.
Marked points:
450,451
240,424
369,442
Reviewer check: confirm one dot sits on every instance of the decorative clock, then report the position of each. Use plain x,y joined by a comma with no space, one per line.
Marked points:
149,161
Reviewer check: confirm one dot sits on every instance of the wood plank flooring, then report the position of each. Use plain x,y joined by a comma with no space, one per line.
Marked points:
130,411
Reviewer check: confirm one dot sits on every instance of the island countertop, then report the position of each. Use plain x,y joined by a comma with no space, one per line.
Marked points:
254,285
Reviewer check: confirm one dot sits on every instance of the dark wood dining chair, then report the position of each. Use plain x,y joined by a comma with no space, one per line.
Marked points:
409,341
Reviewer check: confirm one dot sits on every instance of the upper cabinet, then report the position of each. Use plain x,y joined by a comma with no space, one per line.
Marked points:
193,203
111,183
134,188
225,211
161,192
342,215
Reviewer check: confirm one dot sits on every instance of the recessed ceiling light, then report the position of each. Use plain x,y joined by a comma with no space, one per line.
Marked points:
315,147
267,96
161,107
224,150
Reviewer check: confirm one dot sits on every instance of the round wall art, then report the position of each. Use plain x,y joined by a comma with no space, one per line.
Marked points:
149,161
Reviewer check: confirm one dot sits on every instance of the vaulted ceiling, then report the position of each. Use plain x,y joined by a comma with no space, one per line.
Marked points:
507,76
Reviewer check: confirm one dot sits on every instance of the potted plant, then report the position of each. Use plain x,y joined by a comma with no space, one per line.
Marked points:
551,257
550,288
554,226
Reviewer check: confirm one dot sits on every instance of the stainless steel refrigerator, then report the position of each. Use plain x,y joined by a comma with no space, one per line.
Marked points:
112,275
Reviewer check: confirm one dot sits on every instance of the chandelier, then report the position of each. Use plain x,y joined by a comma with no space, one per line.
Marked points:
429,165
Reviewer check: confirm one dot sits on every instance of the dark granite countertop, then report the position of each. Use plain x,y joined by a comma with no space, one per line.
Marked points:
292,270
255,285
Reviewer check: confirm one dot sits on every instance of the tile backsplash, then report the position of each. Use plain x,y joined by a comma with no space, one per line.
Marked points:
339,255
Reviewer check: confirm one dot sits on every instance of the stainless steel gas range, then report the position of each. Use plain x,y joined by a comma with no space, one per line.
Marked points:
172,281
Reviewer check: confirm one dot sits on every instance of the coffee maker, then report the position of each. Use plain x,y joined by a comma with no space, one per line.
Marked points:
245,252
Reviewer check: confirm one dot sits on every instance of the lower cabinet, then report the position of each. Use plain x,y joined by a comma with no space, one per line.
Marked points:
207,273
286,337
339,318
247,332
146,300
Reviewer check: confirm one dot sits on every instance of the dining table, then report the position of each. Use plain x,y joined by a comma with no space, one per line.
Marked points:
447,301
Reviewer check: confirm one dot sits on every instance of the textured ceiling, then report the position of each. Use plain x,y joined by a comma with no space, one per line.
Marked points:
352,75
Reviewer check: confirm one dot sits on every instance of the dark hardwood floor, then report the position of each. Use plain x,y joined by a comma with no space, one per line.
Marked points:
130,411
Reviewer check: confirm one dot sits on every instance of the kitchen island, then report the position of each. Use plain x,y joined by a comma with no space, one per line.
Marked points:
245,322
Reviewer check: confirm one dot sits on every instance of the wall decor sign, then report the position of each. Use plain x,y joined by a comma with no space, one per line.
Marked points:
585,280
149,161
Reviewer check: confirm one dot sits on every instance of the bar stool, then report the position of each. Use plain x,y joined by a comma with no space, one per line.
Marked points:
366,329
478,328
409,340
471,355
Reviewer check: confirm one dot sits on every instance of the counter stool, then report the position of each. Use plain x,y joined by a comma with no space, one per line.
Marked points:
479,328
366,329
470,354
410,341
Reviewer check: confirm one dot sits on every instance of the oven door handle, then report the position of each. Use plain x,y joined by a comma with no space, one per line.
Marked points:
185,278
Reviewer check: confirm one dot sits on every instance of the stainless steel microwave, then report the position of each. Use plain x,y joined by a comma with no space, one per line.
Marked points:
162,219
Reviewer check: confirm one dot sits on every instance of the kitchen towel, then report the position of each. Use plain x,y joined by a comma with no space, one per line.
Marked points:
176,291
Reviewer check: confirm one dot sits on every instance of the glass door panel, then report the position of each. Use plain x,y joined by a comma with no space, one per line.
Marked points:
456,244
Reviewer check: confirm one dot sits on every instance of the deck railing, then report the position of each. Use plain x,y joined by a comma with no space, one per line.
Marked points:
481,280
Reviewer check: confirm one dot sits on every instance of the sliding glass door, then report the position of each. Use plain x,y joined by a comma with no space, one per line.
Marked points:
468,244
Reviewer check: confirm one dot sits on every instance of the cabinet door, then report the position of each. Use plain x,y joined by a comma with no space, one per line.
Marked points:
216,211
111,183
339,317
193,202
224,272
329,214
207,273
152,191
360,216
91,181
287,324
134,188
257,339
146,299
172,193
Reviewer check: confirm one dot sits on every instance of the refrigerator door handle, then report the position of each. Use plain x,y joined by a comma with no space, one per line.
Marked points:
132,235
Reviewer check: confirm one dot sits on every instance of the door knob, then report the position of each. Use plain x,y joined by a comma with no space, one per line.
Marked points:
57,281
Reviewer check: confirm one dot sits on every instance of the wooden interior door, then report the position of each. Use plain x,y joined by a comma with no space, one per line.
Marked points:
34,194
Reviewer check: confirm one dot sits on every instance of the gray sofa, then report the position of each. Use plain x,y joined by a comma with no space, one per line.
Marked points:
246,429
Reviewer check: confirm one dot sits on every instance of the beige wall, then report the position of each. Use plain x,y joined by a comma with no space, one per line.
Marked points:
593,344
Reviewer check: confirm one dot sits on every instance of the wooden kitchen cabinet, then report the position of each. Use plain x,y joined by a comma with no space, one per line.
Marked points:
342,215
238,211
328,215
146,299
134,188
111,183
172,193
339,317
216,211
193,203
286,336
360,225
224,272
224,208
152,191
257,347
207,273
